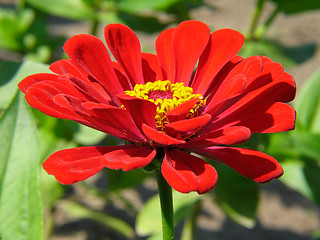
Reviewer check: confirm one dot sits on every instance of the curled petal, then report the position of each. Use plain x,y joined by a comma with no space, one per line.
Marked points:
181,112
186,173
227,136
77,164
187,126
160,137
125,47
141,110
254,165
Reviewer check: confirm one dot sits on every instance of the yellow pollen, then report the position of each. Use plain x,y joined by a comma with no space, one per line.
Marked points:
166,96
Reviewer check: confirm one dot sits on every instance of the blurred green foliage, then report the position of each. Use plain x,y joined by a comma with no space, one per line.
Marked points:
24,30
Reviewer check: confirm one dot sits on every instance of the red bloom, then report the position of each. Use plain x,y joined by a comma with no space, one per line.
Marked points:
162,108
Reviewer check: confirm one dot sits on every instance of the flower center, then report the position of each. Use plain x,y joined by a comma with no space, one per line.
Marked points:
166,96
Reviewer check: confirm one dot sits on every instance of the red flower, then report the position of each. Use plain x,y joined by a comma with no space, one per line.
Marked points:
162,107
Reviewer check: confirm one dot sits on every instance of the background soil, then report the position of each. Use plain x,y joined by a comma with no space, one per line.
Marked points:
283,214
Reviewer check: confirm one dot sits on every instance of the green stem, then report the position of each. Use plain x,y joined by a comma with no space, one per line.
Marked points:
95,21
165,194
94,27
255,18
263,28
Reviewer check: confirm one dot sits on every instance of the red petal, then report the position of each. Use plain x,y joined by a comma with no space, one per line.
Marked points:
125,47
222,46
141,110
278,118
182,111
186,173
187,126
189,40
77,164
221,75
227,136
66,66
40,96
165,53
115,121
93,92
122,76
89,53
160,137
227,90
281,89
129,157
72,103
151,68
249,68
255,165
271,85
35,78
261,118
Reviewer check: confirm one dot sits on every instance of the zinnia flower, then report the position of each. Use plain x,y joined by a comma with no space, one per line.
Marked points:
195,95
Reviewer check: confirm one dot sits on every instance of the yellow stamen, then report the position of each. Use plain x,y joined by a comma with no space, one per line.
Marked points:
166,96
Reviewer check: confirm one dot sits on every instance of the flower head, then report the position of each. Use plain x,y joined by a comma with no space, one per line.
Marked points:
164,105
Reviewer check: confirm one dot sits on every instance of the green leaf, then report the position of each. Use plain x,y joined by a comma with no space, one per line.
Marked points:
88,136
316,234
20,202
237,195
190,224
296,6
73,9
13,26
8,82
307,144
312,174
307,105
149,24
287,56
11,74
304,177
281,145
118,179
135,6
149,218
295,178
115,224
51,190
